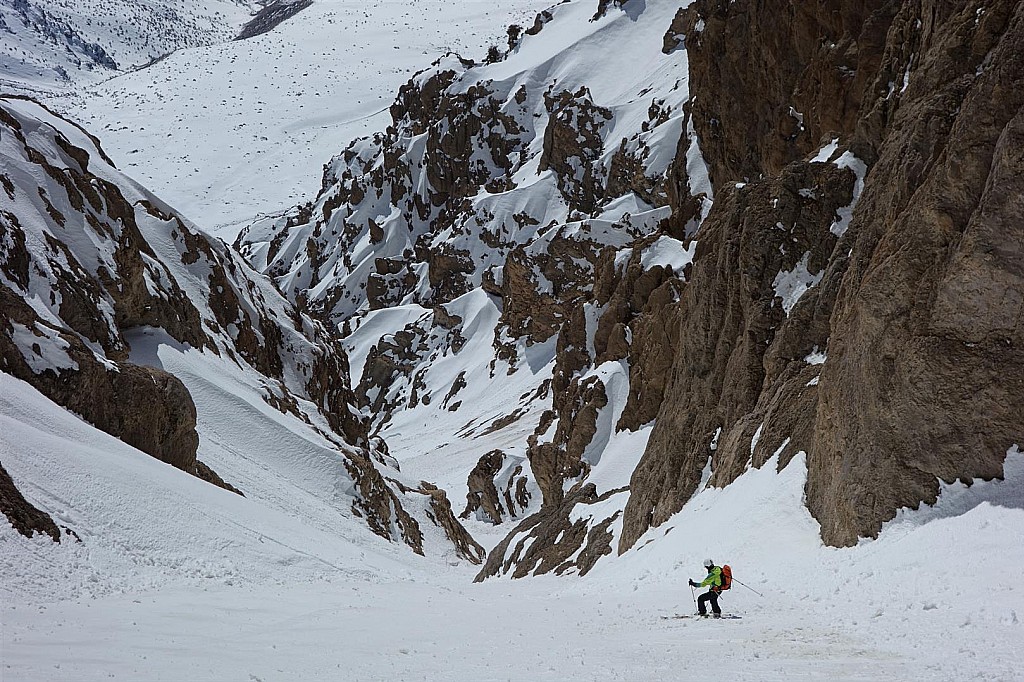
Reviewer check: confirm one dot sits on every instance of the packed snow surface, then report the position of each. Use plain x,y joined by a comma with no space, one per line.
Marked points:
181,580
230,131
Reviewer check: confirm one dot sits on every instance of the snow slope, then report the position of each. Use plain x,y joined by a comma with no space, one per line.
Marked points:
250,593
238,129
145,524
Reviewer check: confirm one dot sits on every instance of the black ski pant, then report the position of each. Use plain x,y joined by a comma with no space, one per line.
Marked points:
702,600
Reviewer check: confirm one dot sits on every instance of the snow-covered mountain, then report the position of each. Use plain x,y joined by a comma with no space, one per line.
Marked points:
239,129
648,282
49,45
119,310
452,250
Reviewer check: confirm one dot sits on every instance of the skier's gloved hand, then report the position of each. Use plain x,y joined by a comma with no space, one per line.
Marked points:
692,584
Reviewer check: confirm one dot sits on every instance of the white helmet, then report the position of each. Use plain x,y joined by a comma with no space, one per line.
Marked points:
708,563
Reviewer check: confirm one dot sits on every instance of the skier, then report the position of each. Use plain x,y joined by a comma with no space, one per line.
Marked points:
714,581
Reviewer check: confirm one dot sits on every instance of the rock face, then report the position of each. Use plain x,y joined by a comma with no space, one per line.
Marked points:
380,502
551,542
91,264
918,289
25,518
925,378
762,245
495,491
771,80
270,16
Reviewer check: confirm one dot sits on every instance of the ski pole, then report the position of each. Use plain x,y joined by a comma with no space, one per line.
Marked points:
694,595
748,587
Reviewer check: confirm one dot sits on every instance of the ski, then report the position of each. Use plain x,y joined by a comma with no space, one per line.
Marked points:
694,616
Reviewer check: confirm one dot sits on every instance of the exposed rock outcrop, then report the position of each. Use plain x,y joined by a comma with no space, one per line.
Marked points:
272,15
379,503
572,143
495,490
143,406
25,518
550,541
761,240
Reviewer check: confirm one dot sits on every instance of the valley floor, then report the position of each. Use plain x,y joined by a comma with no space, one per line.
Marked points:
179,580
543,629
198,584
535,630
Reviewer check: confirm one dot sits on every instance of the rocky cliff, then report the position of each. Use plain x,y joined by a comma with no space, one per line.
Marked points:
880,144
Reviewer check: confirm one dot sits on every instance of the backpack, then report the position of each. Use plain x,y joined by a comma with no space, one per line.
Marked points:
726,577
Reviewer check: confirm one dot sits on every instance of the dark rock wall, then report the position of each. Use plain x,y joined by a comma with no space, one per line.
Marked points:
920,301
925,378
769,80
25,518
729,320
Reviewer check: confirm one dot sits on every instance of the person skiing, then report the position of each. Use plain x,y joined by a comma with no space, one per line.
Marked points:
714,581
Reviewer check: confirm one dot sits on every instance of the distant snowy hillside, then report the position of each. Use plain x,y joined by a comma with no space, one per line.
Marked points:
240,129
119,310
50,45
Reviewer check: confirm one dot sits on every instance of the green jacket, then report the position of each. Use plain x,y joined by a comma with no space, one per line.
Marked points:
714,578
